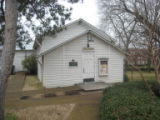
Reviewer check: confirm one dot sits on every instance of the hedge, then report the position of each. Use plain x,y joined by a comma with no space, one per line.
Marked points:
30,64
129,101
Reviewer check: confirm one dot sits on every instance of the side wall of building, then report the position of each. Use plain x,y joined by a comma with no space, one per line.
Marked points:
19,57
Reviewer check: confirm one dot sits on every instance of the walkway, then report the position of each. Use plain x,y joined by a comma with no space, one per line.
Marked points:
16,82
87,104
88,110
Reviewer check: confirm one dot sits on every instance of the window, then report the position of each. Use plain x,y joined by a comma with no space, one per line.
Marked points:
103,66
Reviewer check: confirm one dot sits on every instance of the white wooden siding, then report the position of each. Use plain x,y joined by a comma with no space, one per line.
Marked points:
115,62
73,50
56,63
39,65
66,34
39,71
18,58
53,68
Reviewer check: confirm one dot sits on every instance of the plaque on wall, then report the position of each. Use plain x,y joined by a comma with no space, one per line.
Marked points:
73,63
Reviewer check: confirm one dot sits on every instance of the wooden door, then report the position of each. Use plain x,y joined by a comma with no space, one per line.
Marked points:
88,65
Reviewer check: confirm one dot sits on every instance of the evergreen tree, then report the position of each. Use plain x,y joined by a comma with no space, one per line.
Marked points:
43,10
40,16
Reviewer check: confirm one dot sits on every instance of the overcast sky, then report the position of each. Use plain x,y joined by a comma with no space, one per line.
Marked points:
87,10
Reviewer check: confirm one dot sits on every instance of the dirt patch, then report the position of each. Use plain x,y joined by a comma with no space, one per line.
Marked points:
24,97
50,95
37,96
49,112
89,111
60,93
32,83
27,88
16,82
74,92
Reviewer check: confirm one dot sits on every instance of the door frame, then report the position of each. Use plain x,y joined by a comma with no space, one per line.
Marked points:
92,52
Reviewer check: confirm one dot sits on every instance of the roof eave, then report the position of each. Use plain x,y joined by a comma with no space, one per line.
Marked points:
92,32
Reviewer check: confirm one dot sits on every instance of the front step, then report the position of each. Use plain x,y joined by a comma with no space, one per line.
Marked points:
93,86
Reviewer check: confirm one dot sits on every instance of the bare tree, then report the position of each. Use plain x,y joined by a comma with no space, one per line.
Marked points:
146,15
121,24
8,49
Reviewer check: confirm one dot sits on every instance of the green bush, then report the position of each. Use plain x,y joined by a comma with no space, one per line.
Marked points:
30,64
126,78
10,116
129,101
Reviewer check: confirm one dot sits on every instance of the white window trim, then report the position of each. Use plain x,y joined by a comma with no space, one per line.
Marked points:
99,62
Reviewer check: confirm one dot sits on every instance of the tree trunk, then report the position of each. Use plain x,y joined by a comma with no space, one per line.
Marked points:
156,70
131,74
157,76
149,65
141,75
8,50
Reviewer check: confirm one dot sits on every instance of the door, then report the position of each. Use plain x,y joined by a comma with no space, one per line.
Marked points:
88,65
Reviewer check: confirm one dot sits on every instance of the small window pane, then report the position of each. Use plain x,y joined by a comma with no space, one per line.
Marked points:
103,67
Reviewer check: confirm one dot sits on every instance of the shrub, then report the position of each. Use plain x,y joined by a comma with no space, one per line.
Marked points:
10,116
30,64
129,101
126,79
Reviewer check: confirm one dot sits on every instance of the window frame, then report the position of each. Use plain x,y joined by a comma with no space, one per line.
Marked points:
99,66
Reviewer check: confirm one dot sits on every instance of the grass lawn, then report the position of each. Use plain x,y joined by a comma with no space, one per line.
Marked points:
124,98
10,116
16,82
47,112
136,76
32,83
85,112
31,108
83,104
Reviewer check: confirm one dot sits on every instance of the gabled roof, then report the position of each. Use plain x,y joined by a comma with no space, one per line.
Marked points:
93,30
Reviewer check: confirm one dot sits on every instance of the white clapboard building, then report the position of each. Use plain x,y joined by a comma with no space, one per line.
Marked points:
80,53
